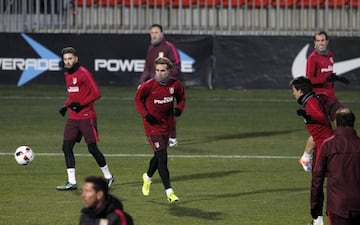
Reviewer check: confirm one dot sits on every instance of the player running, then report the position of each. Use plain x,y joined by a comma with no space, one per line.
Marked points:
154,101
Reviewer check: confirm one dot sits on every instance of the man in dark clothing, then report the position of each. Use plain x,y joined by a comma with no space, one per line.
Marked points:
101,208
339,162
160,47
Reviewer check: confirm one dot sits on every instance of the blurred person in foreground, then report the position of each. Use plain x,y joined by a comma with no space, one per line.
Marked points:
154,101
82,94
100,207
316,121
160,47
339,162
319,69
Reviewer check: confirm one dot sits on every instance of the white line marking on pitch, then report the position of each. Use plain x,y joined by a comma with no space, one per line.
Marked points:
174,156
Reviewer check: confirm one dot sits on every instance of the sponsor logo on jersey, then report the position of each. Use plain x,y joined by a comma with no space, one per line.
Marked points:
73,89
164,101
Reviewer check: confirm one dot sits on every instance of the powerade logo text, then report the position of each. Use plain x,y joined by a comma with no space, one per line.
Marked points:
32,67
137,65
49,61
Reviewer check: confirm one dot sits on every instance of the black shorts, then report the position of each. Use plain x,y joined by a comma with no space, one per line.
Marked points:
76,129
158,142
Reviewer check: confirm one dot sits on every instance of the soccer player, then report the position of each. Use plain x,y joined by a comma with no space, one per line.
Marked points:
100,207
82,94
339,162
319,69
154,101
316,121
160,47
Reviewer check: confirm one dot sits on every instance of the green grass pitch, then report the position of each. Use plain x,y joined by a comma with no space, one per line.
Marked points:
236,163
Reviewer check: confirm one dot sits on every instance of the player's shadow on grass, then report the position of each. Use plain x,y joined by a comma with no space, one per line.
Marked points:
208,175
236,136
246,193
177,210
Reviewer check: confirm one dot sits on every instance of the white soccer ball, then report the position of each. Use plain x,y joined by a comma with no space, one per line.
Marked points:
24,155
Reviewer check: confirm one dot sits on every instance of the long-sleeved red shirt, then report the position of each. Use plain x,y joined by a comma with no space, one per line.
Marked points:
159,100
339,162
319,126
163,49
82,88
318,68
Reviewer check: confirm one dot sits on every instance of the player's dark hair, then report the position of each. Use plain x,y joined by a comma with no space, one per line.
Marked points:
163,60
302,83
100,184
321,33
344,117
69,50
158,26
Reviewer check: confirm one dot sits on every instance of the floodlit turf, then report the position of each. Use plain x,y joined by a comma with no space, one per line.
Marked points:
236,163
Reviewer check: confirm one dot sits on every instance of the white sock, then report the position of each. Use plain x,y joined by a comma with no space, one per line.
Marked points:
306,157
147,177
71,175
169,191
106,172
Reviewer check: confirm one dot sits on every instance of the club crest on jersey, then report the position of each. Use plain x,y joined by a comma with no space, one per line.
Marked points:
171,90
74,80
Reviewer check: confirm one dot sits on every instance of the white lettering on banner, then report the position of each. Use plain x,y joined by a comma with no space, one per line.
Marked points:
24,64
114,65
133,65
164,101
187,67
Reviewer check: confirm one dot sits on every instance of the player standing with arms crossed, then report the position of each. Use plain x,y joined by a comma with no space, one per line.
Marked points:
82,94
154,101
160,47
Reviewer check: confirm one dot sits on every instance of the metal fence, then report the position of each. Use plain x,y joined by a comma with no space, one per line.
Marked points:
214,17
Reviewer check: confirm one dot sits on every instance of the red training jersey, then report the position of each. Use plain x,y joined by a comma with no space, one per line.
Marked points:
159,100
319,126
82,88
318,68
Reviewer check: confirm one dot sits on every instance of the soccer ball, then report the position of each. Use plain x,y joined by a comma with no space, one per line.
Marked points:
24,155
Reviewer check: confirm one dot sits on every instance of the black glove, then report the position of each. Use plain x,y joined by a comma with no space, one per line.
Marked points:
177,112
302,112
62,111
333,77
76,106
151,119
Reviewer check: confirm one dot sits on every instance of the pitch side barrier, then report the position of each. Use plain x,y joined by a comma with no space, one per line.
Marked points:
215,17
243,62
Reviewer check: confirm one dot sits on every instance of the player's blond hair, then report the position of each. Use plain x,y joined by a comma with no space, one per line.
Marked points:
163,60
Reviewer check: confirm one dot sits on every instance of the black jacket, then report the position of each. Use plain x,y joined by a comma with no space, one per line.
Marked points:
111,211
